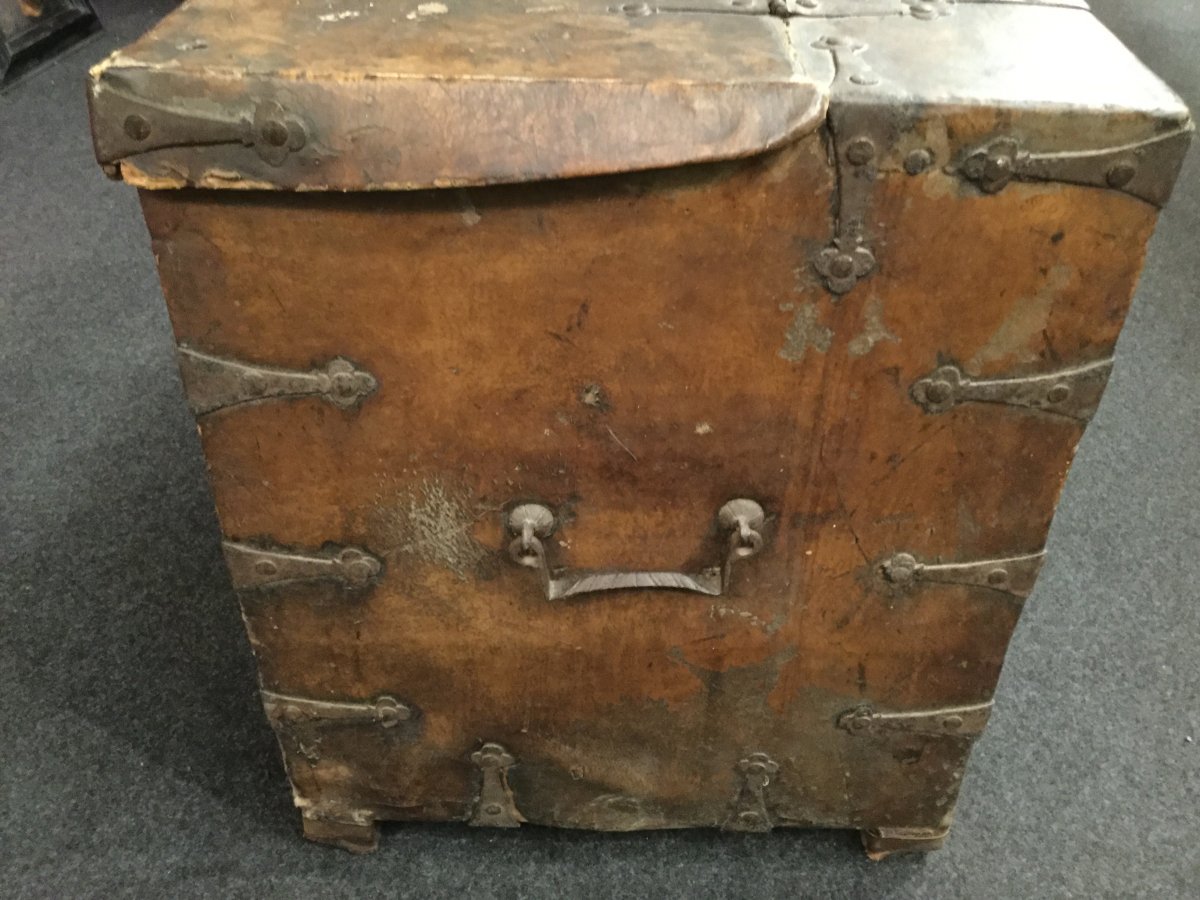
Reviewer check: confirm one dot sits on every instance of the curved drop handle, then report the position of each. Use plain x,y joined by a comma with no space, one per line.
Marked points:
531,523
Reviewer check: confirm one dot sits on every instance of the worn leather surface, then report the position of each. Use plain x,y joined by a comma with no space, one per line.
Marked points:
127,709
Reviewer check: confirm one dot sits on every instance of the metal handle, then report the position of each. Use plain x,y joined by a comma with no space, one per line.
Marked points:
531,523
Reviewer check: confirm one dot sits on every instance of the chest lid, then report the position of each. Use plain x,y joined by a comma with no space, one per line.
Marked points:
407,94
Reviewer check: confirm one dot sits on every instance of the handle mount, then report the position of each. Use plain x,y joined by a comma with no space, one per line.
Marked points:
531,523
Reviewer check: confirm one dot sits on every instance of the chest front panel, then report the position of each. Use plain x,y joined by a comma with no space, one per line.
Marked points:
631,353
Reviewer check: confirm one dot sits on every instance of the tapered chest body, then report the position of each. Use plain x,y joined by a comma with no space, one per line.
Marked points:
642,416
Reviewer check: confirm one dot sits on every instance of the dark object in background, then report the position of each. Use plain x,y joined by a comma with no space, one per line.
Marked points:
31,31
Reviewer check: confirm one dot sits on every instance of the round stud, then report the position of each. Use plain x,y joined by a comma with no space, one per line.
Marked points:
1121,174
917,162
997,578
997,168
861,151
939,392
266,567
900,569
274,132
1058,394
842,266
357,567
952,723
391,712
137,127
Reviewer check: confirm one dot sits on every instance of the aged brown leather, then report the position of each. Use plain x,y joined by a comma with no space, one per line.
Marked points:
866,271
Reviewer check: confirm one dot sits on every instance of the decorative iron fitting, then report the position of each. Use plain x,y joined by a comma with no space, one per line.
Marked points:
1015,575
750,803
495,805
842,264
255,567
212,383
385,711
917,9
141,122
837,9
1146,170
861,136
1074,393
968,721
531,523
847,59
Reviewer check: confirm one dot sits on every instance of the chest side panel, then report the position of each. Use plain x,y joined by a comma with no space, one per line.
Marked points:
633,352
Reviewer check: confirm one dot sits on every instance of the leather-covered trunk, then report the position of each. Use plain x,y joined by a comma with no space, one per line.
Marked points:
628,417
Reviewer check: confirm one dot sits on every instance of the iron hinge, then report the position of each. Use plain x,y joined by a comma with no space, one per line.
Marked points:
1074,393
136,121
385,711
859,137
1014,575
917,9
253,567
212,383
1146,170
965,721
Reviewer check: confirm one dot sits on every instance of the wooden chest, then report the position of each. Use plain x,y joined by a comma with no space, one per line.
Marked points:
646,415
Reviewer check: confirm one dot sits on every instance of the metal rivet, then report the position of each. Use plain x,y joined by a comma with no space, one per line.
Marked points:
997,577
917,162
493,809
864,78
997,168
358,571
274,133
952,723
842,266
636,9
391,712
861,151
938,391
1058,393
1121,174
265,567
137,127
900,569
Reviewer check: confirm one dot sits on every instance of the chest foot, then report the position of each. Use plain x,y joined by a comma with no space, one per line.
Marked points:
881,843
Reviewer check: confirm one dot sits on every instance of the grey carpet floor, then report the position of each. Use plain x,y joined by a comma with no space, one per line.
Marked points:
134,757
